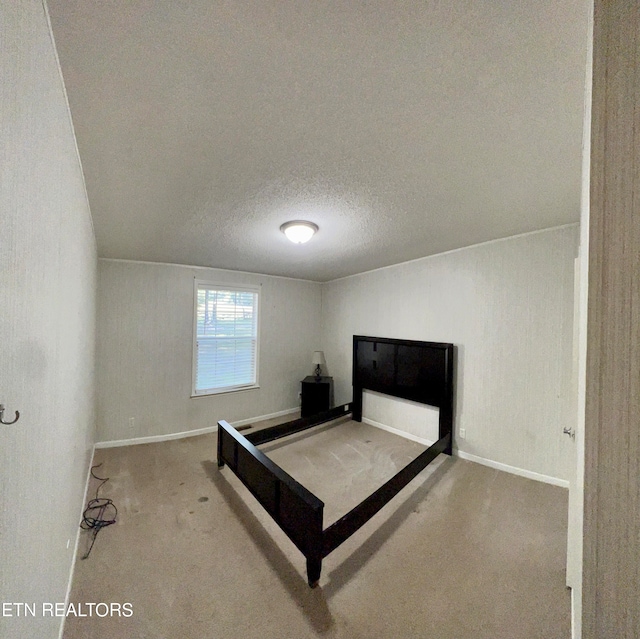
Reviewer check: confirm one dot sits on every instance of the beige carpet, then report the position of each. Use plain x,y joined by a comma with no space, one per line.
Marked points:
463,552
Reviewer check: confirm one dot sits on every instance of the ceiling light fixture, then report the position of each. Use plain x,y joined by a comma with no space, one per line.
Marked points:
299,231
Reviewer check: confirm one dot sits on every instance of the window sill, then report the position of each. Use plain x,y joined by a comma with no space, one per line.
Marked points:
225,391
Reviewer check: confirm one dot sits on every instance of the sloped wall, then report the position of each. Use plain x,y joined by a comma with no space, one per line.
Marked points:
47,292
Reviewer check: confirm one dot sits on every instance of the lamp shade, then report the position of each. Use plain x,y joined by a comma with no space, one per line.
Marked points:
318,358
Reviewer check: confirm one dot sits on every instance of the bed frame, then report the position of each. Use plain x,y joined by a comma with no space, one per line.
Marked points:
419,371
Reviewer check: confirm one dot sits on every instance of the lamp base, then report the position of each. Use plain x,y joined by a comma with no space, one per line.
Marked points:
318,373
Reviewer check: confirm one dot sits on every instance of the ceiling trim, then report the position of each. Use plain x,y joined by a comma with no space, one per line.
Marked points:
456,250
207,268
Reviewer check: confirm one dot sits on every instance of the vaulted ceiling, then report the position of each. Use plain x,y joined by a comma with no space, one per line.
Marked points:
402,129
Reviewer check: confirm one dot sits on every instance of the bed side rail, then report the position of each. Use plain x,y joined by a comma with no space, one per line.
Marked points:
344,527
297,425
294,508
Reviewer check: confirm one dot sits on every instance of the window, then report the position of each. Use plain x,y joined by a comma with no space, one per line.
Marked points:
225,338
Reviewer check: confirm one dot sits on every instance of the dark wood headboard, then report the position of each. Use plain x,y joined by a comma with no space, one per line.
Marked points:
418,371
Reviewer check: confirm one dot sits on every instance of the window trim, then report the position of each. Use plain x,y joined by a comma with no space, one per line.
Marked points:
221,286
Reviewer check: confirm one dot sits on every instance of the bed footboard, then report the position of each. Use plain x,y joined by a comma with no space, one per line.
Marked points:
296,510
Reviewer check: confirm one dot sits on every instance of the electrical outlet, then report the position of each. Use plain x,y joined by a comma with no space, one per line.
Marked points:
132,423
463,433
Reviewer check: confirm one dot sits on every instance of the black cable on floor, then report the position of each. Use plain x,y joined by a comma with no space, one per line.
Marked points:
99,513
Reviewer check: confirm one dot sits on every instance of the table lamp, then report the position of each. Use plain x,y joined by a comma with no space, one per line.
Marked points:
318,360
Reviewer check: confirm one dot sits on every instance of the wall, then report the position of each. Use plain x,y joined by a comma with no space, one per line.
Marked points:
611,569
47,292
144,349
508,306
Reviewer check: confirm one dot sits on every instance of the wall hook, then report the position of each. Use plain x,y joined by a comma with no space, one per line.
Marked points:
2,415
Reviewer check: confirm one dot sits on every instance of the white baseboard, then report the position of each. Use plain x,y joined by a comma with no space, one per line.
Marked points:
75,548
514,470
395,431
188,433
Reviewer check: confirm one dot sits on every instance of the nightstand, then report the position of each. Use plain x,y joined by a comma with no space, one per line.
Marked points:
317,395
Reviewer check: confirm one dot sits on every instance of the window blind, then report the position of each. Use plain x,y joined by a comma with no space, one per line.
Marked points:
226,336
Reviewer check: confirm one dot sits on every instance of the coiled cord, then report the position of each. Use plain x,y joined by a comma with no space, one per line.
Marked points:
99,513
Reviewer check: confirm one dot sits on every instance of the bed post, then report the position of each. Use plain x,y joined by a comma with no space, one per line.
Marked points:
314,567
314,547
356,405
356,409
220,460
445,428
445,420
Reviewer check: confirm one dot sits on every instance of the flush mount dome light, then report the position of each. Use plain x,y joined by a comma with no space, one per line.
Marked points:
299,231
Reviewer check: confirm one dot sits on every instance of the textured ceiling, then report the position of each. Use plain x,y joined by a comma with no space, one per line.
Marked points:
401,129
